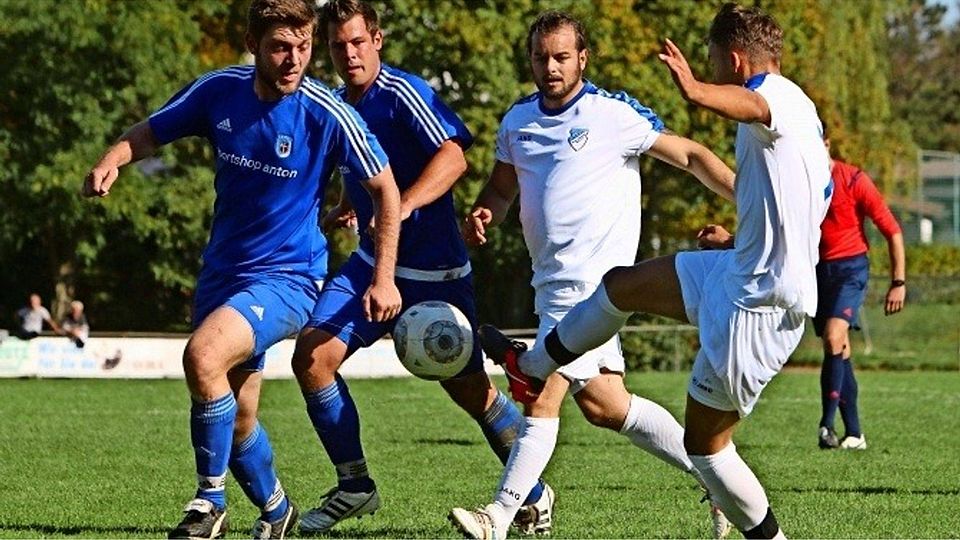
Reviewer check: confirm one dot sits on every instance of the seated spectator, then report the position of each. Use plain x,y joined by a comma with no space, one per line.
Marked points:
75,324
31,318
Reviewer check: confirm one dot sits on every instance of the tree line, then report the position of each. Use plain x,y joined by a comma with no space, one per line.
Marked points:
76,74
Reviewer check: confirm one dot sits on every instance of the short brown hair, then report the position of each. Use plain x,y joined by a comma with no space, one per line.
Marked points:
293,13
551,21
749,30
341,11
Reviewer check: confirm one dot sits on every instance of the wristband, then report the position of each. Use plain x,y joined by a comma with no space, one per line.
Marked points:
897,283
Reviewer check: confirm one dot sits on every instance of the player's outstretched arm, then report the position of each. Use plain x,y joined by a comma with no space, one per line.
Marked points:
135,144
697,160
440,174
382,301
727,100
492,204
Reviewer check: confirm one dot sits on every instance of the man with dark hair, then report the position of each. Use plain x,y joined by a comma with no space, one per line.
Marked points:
571,152
749,302
276,135
842,284
425,142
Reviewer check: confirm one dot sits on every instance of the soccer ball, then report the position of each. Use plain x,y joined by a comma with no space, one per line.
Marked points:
434,340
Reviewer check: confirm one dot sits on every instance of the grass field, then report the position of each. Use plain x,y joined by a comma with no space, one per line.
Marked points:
111,459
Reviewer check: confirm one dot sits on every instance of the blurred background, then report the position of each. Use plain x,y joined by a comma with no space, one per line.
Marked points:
74,75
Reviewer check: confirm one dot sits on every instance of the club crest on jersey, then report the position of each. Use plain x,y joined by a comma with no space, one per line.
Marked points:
578,138
283,146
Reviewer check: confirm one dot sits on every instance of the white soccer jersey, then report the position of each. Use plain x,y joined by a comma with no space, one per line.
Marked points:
783,190
579,180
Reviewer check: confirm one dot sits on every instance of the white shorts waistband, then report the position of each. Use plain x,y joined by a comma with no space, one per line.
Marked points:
449,274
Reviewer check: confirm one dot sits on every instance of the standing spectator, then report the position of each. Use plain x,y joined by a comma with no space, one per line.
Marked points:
74,324
30,319
842,284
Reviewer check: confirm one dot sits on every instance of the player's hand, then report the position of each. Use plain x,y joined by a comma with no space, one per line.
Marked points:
98,181
339,218
895,299
714,237
475,226
382,302
679,69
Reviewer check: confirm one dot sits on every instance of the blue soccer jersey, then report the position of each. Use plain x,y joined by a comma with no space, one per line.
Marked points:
411,122
273,161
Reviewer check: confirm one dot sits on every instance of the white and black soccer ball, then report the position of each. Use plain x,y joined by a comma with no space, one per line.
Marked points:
434,340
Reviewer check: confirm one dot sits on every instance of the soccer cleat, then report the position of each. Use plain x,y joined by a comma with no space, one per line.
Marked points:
280,528
505,352
827,438
536,518
202,520
476,524
337,506
854,443
721,525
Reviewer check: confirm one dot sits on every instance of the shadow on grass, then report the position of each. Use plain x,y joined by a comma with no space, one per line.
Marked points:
119,531
379,532
874,490
447,442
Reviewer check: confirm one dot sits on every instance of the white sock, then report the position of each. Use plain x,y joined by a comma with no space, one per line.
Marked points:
654,429
588,325
529,457
733,487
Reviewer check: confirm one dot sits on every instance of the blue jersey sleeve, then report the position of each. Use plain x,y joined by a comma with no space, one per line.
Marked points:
427,116
359,152
184,114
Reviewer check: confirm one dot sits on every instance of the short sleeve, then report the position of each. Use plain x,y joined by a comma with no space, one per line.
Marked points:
184,114
426,115
358,151
502,150
639,125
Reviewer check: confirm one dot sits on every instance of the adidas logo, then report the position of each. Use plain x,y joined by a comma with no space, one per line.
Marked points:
258,311
225,125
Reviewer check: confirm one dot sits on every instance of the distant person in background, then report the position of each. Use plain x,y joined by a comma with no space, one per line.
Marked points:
74,324
842,284
30,319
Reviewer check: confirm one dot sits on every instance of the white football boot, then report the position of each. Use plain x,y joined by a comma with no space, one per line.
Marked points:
476,524
854,443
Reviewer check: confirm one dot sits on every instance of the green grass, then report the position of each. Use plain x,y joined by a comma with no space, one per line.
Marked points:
112,459
922,336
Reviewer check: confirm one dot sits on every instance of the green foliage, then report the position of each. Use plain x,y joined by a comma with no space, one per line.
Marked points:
123,467
68,92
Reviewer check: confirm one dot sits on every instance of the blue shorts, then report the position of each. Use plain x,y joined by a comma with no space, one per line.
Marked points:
841,288
339,311
276,306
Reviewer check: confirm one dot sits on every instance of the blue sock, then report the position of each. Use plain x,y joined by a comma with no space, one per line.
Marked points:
211,431
251,463
337,423
500,424
831,384
848,401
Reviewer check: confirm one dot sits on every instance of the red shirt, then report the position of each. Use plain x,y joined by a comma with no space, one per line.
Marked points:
854,196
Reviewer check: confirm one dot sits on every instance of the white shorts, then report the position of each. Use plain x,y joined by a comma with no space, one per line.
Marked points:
553,301
740,349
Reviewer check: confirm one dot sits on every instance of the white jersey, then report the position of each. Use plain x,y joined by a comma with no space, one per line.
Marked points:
783,191
579,180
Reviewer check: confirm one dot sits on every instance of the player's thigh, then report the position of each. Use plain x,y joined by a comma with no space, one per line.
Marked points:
707,430
339,311
605,400
222,340
317,356
649,286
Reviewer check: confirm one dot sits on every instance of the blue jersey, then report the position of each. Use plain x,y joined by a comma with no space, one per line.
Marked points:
273,161
411,122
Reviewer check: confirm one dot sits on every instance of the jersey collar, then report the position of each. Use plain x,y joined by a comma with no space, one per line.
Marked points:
587,85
